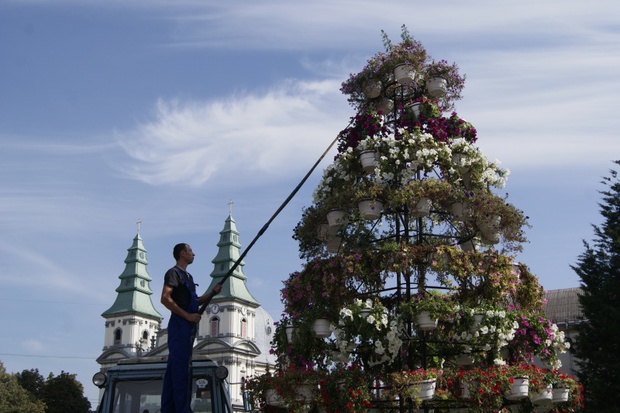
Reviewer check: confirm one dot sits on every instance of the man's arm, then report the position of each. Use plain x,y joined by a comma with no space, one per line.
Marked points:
208,296
168,302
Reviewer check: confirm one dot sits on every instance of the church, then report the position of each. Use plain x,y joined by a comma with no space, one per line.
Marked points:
235,331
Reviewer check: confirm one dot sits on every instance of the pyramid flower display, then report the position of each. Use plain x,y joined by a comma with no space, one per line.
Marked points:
410,255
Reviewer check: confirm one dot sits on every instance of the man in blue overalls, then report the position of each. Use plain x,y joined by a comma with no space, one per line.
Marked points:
179,296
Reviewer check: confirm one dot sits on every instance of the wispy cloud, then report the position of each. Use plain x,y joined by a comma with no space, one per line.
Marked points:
190,142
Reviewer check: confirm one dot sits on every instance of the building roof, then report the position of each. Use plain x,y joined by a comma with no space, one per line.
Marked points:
563,305
228,253
134,292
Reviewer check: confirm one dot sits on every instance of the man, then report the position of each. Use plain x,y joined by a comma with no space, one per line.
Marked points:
179,296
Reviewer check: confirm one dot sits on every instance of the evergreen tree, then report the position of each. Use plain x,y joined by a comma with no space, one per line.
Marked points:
32,381
64,394
14,398
598,343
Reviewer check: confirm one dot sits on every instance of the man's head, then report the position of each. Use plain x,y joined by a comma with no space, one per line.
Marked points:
183,252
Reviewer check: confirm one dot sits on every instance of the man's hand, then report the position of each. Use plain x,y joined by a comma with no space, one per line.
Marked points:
193,318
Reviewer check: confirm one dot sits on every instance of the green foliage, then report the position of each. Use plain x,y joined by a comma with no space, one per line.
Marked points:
64,393
598,343
14,398
32,381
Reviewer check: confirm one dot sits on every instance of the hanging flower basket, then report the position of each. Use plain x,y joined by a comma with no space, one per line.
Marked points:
437,87
464,390
385,105
290,332
367,159
337,218
272,398
333,244
404,74
519,387
425,322
458,211
424,390
559,395
305,393
370,209
490,237
415,108
372,88
471,245
321,328
489,224
422,207
542,397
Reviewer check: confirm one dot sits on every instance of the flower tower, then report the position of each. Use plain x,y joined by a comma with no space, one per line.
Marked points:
410,262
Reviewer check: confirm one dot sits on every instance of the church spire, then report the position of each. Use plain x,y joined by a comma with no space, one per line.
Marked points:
134,291
228,253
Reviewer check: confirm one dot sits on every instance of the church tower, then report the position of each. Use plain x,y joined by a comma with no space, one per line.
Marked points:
132,323
235,331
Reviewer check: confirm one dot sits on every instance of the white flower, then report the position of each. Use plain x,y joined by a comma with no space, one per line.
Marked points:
499,362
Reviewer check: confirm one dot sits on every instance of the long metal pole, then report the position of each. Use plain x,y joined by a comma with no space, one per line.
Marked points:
264,228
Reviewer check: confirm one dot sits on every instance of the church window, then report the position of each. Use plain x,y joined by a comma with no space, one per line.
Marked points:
244,328
145,335
118,335
215,327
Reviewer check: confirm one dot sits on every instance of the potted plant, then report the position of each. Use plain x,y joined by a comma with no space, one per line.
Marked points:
443,79
426,308
566,389
416,385
367,333
345,389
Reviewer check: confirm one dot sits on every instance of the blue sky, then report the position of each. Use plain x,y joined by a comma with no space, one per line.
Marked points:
113,111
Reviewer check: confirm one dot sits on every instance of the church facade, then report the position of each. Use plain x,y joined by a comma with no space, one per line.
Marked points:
235,331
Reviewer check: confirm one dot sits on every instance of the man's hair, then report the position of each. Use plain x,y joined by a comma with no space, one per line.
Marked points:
176,252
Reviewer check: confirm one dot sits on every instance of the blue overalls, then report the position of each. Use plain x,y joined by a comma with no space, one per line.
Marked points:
177,388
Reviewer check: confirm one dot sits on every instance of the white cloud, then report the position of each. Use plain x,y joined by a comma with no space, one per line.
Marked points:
273,133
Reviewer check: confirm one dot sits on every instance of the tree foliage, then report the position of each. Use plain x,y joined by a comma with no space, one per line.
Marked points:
14,398
598,343
64,394
30,392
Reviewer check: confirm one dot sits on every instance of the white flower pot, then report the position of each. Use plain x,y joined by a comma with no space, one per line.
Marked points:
458,211
425,322
559,395
422,207
323,232
337,218
370,209
437,87
476,323
333,244
322,328
290,332
372,88
490,223
464,390
304,393
471,245
367,159
415,108
404,74
518,388
543,397
385,105
272,398
490,237
424,390
465,360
